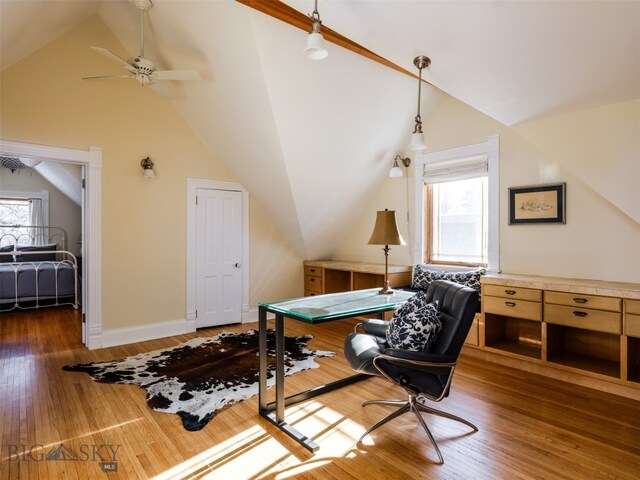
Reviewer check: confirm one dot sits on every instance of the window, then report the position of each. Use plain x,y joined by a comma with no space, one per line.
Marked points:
456,230
14,211
455,206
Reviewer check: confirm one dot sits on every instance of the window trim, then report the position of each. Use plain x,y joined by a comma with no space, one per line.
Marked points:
490,148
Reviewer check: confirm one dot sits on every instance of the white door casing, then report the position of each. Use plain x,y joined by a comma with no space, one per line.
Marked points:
193,184
92,229
218,257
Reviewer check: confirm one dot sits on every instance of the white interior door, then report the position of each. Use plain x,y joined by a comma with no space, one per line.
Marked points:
218,256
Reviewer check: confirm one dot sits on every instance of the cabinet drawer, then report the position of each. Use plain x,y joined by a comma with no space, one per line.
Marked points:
512,308
583,301
313,284
632,306
632,325
595,320
313,271
530,294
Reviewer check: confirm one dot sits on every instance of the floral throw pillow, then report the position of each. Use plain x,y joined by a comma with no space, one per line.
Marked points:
417,330
423,276
469,279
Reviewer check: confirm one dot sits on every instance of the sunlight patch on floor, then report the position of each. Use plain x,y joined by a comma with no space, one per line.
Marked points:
266,452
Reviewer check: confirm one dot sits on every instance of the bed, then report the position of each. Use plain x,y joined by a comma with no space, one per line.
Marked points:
36,269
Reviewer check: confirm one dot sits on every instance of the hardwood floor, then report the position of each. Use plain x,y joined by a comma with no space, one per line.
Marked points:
530,426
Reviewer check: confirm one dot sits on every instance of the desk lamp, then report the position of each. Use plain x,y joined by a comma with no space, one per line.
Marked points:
385,232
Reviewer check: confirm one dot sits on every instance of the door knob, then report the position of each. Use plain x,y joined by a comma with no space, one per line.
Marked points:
237,265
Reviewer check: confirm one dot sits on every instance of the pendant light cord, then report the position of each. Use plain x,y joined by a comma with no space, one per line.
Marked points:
315,15
418,127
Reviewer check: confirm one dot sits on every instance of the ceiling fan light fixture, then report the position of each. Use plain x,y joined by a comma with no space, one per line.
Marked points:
316,49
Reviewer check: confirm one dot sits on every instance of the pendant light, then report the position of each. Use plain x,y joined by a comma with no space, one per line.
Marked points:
315,41
417,137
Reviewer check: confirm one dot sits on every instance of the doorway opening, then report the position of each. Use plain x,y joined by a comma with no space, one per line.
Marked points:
88,241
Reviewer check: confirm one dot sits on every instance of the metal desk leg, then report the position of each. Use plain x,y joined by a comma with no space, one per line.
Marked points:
279,368
262,372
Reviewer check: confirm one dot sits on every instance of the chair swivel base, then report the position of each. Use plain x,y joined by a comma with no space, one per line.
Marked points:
414,406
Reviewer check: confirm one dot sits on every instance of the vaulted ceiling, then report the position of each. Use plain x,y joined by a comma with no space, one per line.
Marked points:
312,141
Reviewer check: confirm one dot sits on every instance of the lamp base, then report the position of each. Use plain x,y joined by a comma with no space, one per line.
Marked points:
385,291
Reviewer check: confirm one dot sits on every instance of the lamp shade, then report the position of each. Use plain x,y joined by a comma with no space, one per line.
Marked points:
417,141
385,231
315,47
395,172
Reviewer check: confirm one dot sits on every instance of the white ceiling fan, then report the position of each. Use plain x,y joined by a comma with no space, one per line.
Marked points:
142,69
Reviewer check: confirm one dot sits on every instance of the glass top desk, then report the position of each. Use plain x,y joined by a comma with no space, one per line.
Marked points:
314,309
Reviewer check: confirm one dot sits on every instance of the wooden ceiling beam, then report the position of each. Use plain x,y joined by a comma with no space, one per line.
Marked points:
283,12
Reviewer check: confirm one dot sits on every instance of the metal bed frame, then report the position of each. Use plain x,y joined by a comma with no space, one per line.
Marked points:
39,235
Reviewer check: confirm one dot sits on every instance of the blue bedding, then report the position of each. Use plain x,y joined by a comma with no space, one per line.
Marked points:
36,281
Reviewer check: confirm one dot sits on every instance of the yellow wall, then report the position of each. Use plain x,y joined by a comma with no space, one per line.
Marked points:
599,240
44,101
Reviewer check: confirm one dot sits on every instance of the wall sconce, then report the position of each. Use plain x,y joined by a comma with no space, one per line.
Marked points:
147,166
396,171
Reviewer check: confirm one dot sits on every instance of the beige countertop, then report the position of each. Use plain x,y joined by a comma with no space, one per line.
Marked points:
559,284
362,267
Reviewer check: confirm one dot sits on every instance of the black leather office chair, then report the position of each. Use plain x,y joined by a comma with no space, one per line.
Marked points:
422,374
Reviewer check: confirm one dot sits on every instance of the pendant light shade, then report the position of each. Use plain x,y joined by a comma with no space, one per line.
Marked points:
315,49
417,142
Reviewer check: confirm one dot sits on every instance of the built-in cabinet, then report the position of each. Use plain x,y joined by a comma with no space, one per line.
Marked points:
576,327
335,276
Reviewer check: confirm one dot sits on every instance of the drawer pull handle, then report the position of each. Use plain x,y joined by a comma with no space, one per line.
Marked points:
577,313
312,270
510,304
510,292
312,279
580,300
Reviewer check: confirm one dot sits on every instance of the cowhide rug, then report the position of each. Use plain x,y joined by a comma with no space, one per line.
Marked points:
200,378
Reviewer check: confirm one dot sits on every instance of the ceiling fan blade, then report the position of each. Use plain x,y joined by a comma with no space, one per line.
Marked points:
161,90
176,75
107,77
115,58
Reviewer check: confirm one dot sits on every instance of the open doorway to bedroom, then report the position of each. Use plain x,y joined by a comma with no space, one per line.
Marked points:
49,235
41,215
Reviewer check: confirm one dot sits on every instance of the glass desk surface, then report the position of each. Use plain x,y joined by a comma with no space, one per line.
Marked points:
345,304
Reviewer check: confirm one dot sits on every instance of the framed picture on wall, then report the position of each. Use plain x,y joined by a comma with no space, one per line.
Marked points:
537,204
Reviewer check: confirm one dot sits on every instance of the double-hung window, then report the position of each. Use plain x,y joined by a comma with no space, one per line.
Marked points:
14,211
459,206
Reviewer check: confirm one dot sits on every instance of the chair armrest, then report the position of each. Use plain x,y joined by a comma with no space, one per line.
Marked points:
375,327
421,357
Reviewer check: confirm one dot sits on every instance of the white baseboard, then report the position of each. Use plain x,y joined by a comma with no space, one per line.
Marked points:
252,316
121,336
